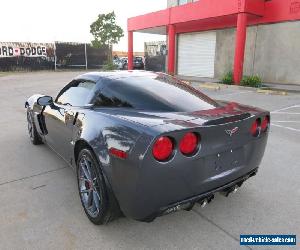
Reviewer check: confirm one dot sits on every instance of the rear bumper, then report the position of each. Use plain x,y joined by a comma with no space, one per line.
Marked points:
138,66
189,203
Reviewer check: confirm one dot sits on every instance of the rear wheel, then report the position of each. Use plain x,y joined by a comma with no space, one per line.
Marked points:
99,205
33,134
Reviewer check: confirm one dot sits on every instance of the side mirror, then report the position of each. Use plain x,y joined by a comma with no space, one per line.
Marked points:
45,100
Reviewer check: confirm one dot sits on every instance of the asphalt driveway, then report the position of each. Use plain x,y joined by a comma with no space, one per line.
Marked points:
40,206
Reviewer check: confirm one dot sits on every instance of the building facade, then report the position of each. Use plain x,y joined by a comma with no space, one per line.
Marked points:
208,38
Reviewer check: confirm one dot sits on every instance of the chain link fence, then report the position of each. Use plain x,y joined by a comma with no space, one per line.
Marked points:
26,56
51,56
155,56
76,55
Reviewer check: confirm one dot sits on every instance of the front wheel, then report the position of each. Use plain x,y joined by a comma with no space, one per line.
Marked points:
33,134
99,205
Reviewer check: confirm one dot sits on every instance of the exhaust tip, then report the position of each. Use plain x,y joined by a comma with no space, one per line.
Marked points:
203,203
236,188
230,190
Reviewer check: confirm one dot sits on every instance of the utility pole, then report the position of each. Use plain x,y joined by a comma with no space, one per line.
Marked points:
54,57
86,66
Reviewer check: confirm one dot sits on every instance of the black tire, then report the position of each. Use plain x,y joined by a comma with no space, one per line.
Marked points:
33,134
97,199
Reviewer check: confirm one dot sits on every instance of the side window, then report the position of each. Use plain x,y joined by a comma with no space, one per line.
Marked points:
76,93
119,94
110,98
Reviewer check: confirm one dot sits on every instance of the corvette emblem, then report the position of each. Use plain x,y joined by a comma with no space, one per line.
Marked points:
231,132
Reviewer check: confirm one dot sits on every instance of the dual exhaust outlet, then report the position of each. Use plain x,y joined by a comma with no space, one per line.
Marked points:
224,192
188,205
204,201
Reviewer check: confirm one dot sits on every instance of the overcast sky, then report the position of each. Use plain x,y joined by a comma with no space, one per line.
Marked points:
66,20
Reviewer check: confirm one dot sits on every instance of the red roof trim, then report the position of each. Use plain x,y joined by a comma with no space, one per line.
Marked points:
209,14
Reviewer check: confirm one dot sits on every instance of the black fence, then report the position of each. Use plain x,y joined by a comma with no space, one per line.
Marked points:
96,57
155,63
74,55
22,63
26,56
155,56
50,56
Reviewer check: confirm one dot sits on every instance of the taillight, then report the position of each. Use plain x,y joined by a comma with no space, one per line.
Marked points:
255,128
265,123
163,148
188,144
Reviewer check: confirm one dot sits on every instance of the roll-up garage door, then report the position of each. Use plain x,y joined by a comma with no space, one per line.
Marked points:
196,54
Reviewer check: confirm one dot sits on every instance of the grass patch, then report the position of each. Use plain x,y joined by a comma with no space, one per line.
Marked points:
227,78
109,66
252,81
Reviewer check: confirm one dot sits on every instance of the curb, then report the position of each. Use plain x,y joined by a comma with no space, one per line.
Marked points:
271,92
212,86
219,86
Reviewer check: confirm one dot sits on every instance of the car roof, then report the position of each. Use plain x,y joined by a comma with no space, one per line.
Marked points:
96,76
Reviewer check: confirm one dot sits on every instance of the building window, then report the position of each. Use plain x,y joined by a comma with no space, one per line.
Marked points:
181,2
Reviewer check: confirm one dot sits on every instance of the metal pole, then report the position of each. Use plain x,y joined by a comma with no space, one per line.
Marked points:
240,43
86,66
171,49
130,50
54,57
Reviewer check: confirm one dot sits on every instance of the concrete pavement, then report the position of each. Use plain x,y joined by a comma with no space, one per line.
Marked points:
40,206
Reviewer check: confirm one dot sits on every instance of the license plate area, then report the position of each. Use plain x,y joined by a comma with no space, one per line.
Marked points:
226,160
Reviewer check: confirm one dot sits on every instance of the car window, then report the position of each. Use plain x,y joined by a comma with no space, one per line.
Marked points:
77,93
160,93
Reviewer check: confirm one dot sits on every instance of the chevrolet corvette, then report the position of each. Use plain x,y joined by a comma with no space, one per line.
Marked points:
146,144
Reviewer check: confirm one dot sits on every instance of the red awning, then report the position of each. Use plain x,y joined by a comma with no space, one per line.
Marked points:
200,13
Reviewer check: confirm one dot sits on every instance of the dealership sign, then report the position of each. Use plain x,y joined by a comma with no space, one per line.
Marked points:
26,49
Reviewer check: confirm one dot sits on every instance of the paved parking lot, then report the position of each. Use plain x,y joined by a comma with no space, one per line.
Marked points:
40,206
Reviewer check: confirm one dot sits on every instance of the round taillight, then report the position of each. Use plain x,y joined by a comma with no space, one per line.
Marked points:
162,148
265,123
188,144
255,128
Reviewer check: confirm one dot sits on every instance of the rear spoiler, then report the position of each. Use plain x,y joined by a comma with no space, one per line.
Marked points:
228,119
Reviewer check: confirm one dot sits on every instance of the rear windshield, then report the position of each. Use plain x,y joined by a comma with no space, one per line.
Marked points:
158,93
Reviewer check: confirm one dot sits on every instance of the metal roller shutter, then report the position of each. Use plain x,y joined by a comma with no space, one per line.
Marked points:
196,54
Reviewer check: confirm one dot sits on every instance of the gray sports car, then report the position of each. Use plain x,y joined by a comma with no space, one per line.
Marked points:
146,144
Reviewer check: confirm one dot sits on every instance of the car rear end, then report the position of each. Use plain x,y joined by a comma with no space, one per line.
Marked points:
138,63
188,161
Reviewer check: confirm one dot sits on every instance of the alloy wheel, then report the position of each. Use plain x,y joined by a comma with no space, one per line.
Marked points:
89,187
